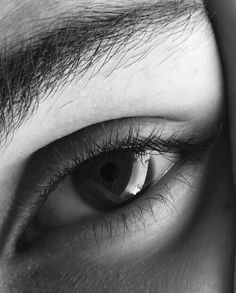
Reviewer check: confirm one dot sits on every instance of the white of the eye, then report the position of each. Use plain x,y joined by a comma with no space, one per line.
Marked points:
161,164
64,205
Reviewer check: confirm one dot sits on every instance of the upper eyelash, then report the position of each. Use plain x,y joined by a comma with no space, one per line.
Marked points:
187,150
134,143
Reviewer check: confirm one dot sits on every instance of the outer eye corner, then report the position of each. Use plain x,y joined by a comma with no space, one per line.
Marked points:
109,181
105,184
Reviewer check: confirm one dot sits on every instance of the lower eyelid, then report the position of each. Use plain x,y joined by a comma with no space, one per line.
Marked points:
157,216
82,195
107,233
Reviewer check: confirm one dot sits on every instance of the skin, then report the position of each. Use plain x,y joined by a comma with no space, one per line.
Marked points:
191,248
224,21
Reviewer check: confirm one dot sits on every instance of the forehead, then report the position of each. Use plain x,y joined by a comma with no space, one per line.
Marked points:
23,18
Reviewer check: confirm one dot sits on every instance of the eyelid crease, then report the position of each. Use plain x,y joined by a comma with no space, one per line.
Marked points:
188,150
47,163
157,193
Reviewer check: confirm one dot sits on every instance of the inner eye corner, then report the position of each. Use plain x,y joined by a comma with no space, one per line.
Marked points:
113,176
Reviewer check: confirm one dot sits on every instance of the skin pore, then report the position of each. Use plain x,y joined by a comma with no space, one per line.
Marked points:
166,69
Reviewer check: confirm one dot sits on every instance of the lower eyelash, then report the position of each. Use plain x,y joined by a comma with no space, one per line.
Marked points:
188,151
127,220
138,145
133,219
124,223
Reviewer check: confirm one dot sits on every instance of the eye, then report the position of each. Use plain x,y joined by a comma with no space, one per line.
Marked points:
110,173
110,181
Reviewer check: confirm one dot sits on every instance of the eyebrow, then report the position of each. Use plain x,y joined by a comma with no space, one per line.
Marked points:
71,43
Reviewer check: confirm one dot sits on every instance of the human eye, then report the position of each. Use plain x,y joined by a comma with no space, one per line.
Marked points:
114,170
129,174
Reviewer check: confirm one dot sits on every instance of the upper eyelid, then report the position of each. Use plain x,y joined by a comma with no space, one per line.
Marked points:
29,197
75,149
39,65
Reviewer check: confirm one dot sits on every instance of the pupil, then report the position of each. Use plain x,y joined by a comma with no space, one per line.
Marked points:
109,171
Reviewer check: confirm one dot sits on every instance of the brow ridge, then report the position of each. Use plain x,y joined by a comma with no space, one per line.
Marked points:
68,46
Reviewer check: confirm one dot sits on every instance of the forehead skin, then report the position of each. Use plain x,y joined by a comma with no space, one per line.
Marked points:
27,17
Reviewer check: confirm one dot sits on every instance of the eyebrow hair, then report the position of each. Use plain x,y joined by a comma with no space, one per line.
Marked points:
71,43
